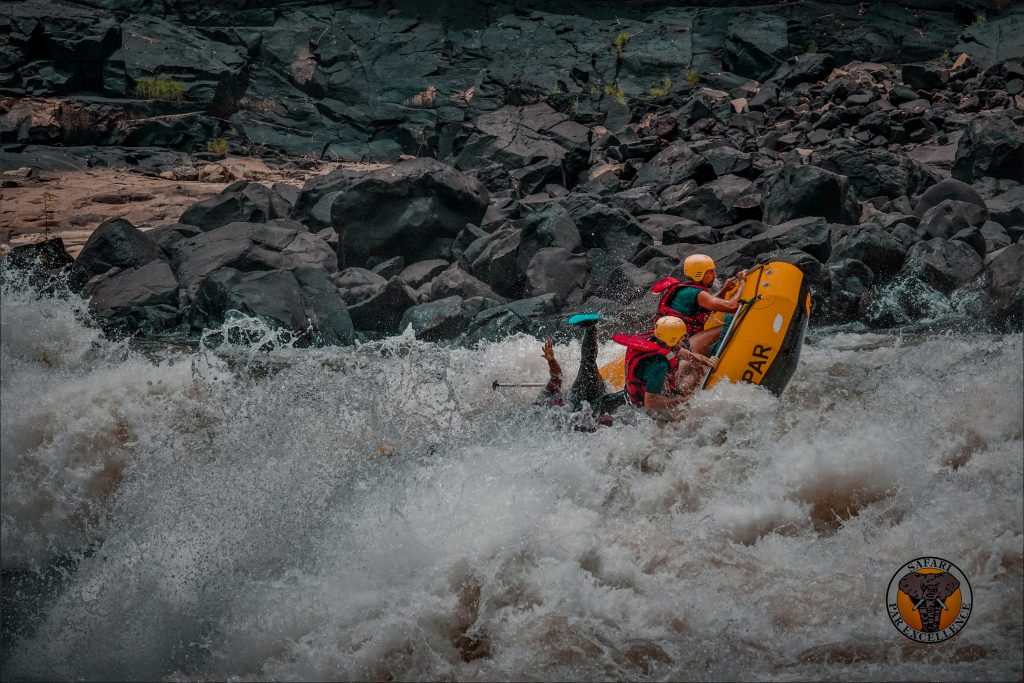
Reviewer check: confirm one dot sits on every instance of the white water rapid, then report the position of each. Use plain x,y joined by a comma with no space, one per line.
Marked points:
381,513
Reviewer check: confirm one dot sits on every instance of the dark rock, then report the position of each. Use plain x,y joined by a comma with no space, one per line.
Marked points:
356,285
456,282
389,268
972,237
418,274
805,68
991,146
636,200
560,272
382,312
401,209
517,137
277,297
871,245
942,264
313,204
249,247
500,322
604,227
1006,284
950,216
671,166
167,237
924,76
950,188
116,243
798,191
325,311
809,234
713,203
851,279
756,43
499,210
728,161
48,256
876,172
141,299
443,319
1008,208
995,40
995,237
626,283
240,202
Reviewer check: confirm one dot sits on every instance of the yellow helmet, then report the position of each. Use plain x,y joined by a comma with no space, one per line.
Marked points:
669,330
695,265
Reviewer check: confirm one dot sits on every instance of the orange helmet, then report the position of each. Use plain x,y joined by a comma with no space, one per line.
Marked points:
669,330
695,265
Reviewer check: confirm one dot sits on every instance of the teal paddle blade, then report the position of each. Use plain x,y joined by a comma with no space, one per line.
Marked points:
583,318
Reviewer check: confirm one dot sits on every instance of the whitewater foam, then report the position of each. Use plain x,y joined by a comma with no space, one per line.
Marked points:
381,512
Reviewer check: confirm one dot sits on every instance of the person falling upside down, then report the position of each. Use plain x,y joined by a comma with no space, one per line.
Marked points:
691,300
588,387
656,379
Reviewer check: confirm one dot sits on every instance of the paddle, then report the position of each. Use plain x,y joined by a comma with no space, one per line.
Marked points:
496,385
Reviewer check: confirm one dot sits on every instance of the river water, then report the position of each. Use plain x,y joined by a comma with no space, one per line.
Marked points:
380,512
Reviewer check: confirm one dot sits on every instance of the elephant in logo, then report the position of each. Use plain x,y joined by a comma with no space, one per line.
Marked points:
929,592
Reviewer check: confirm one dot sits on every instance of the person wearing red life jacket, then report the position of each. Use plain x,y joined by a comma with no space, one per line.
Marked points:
691,300
655,379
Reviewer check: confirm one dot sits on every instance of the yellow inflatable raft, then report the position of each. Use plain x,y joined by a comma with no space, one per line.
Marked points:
762,346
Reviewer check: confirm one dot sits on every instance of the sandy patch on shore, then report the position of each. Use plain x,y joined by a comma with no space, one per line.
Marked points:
82,200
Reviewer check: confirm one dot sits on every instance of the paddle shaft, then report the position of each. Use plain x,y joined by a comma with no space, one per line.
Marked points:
496,385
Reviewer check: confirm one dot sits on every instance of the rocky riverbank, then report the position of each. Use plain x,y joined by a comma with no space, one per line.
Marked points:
538,163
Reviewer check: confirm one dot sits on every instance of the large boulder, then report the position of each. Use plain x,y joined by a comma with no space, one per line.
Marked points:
116,243
313,205
358,284
444,319
808,67
942,264
560,272
240,202
402,209
142,299
714,203
991,146
949,188
382,311
872,245
456,282
249,247
949,217
49,256
877,172
603,227
673,165
302,300
809,234
755,44
797,191
211,71
1006,284
526,136
851,279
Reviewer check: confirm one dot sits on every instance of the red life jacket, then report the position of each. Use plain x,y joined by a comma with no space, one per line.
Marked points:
637,349
670,285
